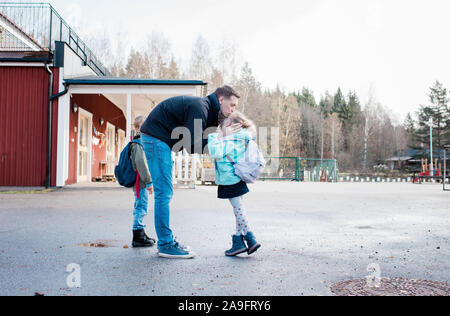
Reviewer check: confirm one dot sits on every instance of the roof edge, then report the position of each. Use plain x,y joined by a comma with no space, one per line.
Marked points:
26,57
125,81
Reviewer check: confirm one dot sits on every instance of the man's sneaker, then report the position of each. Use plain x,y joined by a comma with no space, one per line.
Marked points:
177,244
175,251
238,246
141,240
252,244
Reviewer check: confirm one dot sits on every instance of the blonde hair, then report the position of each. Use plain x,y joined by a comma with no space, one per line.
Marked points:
239,117
138,121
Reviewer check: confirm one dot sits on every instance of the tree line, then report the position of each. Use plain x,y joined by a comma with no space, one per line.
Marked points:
338,125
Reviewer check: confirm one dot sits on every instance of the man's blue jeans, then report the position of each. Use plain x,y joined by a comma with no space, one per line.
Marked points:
140,209
160,163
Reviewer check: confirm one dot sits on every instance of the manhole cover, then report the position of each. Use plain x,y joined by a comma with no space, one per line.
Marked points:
391,287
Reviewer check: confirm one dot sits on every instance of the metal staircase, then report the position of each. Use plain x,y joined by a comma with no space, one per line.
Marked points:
37,26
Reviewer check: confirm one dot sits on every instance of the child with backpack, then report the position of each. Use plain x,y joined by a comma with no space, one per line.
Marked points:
228,151
133,171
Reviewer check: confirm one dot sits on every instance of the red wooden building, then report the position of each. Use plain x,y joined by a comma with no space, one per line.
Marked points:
62,119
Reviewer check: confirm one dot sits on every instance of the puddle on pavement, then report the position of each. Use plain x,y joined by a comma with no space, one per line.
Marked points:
365,227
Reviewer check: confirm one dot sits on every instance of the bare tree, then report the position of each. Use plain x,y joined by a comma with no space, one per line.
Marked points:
158,55
226,60
369,126
334,127
137,66
201,63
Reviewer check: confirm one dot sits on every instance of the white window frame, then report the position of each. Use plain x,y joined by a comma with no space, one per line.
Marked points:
90,117
123,133
110,126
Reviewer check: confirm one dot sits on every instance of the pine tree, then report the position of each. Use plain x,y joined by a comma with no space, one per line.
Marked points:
340,106
439,111
409,124
306,97
353,105
353,114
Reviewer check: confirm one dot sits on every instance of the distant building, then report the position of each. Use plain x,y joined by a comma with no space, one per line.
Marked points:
398,163
74,130
411,159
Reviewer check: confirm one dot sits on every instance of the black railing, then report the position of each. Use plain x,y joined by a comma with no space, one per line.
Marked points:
43,26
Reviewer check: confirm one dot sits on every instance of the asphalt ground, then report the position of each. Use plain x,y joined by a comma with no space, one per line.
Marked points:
312,235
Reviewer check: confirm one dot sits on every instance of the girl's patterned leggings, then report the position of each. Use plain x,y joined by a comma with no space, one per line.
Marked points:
242,226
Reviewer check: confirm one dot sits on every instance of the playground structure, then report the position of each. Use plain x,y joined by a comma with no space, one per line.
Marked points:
427,171
430,174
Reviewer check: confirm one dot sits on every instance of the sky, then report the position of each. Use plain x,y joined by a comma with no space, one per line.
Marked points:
392,49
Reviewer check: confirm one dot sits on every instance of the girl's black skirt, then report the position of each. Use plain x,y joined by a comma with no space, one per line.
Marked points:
232,191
